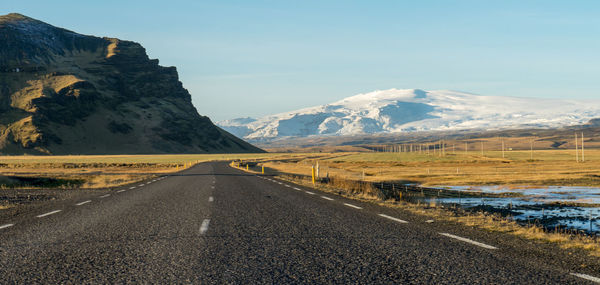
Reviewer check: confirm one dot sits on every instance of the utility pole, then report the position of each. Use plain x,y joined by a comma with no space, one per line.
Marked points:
444,146
481,148
576,149
582,149
531,149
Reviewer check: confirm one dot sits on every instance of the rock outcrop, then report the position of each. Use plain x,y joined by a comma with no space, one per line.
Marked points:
67,93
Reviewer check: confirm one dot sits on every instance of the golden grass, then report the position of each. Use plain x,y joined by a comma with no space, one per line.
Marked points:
105,171
107,181
549,167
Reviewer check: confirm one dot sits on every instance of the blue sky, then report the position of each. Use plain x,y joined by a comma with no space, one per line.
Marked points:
253,58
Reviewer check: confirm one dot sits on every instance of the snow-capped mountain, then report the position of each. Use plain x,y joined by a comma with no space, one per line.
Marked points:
411,110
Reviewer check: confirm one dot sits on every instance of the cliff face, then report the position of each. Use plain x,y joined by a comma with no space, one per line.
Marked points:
66,93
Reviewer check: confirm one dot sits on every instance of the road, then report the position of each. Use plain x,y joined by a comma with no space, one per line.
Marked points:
214,224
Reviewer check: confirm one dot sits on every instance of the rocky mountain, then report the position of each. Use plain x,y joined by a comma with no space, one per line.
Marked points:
66,93
413,110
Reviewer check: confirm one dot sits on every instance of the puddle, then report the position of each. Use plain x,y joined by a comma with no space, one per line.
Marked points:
583,195
575,208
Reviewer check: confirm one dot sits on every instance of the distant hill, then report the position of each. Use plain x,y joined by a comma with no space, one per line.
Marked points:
412,110
594,122
67,93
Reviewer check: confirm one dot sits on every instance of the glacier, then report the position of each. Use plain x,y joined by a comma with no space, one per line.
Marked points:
413,110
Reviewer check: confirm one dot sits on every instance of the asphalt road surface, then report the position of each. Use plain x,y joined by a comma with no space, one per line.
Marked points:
214,224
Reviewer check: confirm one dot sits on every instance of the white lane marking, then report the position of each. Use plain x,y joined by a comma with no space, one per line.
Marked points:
122,190
469,241
587,277
83,203
353,206
279,183
6,226
393,219
288,186
326,198
48,214
211,199
132,188
296,188
308,192
141,185
204,226
104,196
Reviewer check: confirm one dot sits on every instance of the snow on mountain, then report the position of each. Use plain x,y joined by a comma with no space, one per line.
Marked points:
412,110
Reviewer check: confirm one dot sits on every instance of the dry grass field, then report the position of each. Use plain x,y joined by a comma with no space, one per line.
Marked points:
106,171
548,167
456,167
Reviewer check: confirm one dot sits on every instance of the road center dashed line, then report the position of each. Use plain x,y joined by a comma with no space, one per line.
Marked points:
393,219
122,190
296,188
83,203
204,226
587,277
211,199
469,241
48,214
308,192
327,198
132,188
353,206
6,226
104,196
140,185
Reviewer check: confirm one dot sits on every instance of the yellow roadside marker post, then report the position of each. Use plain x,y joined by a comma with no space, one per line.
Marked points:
246,166
313,174
263,169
